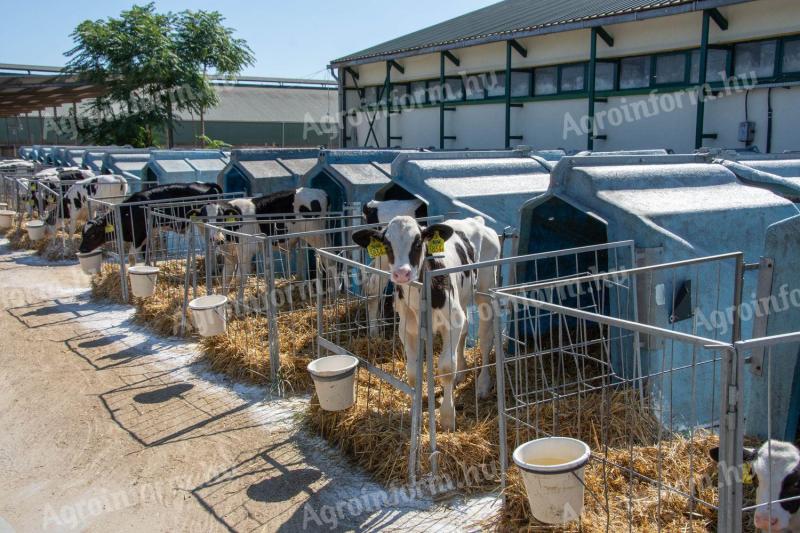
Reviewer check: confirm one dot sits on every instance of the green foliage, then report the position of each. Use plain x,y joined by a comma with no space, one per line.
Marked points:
152,64
214,144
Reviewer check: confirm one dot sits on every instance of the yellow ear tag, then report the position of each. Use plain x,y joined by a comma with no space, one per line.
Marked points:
193,218
51,200
376,248
230,220
33,187
436,244
747,474
30,202
109,228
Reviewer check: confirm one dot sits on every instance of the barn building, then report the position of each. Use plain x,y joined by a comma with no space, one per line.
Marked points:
611,75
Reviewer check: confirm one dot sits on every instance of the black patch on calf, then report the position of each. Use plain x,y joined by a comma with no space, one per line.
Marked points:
466,253
77,202
399,290
440,286
415,252
370,214
281,202
789,489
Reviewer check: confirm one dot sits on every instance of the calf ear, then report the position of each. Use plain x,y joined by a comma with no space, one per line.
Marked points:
444,231
714,454
193,213
364,237
748,454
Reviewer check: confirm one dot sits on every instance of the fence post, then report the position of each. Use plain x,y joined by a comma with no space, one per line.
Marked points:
426,331
731,440
123,267
272,315
499,355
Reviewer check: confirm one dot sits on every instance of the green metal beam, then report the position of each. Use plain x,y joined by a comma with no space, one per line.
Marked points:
607,38
718,18
453,59
521,50
701,107
400,68
387,91
591,86
507,143
442,57
352,72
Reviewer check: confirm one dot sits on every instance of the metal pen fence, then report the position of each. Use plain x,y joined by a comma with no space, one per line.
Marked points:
586,357
394,379
126,231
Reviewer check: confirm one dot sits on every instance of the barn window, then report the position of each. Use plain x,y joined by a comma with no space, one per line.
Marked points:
716,68
474,87
521,83
791,55
755,59
496,85
634,72
400,95
453,89
605,75
419,90
371,95
434,92
573,78
545,80
670,69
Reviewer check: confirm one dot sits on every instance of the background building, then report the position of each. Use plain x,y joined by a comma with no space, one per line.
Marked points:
520,72
252,111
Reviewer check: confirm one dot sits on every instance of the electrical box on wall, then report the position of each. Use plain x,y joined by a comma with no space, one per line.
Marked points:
747,132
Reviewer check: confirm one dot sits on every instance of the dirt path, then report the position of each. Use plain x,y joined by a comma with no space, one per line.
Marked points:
106,428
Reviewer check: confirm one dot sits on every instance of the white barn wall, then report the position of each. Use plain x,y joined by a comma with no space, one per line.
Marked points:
542,123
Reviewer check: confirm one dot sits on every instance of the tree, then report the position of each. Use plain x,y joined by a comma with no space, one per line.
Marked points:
204,42
151,68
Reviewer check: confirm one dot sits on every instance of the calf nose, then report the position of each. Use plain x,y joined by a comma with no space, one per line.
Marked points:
401,275
763,521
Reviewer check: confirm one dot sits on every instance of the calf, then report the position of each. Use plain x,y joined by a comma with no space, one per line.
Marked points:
776,468
251,217
133,221
382,212
75,201
408,255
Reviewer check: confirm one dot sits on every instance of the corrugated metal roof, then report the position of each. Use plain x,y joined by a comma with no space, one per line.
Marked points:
510,17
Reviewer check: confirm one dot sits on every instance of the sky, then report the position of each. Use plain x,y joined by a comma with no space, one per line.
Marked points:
294,38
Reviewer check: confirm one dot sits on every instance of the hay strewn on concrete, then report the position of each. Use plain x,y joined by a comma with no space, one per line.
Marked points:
106,286
18,239
58,247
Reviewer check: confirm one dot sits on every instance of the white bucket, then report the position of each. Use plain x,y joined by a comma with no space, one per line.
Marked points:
36,229
552,470
334,379
143,280
209,314
90,261
6,219
3,206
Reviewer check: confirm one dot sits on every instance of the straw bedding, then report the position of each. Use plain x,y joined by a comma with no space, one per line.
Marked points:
375,434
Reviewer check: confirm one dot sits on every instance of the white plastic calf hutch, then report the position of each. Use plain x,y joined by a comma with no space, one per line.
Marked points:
779,173
677,208
492,184
184,166
258,171
351,176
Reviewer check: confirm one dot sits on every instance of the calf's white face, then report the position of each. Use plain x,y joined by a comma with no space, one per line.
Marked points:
776,470
404,241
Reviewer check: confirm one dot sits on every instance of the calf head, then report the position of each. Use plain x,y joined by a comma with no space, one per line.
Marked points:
94,234
404,243
775,467
223,213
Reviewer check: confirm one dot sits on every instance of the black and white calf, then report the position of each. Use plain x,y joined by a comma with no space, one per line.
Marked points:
465,242
133,221
75,201
382,212
302,209
776,469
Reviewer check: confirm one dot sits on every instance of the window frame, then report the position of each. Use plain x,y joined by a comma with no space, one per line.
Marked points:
559,77
687,69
